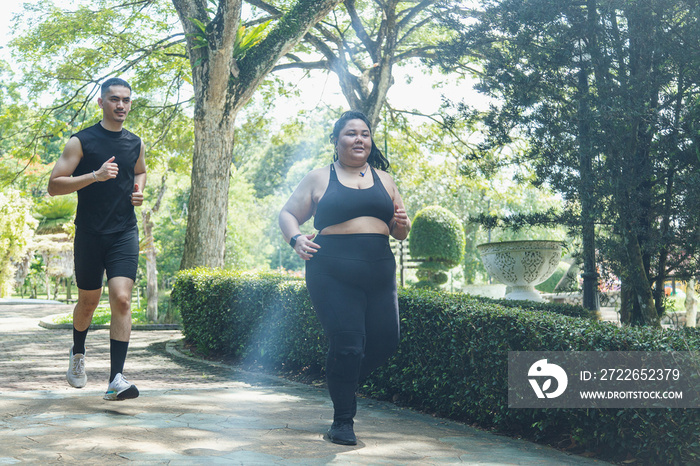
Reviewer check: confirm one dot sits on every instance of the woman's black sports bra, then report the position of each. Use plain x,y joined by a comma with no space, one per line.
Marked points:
340,203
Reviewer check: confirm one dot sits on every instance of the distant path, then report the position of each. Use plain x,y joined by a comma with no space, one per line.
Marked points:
34,358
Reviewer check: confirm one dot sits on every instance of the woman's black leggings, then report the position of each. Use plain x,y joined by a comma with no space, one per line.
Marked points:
352,283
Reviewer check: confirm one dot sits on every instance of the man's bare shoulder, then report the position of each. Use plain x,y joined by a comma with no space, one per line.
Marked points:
73,148
74,141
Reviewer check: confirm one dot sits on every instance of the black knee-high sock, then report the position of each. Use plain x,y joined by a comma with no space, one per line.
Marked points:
117,356
79,340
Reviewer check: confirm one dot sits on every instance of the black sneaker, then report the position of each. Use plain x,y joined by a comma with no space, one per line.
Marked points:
341,433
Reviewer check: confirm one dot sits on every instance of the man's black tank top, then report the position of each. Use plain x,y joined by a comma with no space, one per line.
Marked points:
105,207
340,203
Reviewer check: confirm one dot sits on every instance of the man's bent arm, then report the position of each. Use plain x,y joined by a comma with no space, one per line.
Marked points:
61,180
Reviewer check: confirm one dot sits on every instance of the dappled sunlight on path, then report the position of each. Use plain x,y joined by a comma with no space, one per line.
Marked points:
192,411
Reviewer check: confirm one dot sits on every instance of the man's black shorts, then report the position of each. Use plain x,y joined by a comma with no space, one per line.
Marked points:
117,253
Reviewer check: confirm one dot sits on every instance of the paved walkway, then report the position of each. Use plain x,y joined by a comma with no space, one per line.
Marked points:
195,412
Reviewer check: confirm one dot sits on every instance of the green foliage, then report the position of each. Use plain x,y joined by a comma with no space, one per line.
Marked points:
273,161
103,316
169,230
452,358
246,38
247,214
75,44
463,374
430,278
437,236
518,221
266,156
199,39
55,212
267,318
16,230
569,310
595,130
465,181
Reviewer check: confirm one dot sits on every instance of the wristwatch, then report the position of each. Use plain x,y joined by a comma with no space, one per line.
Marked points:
293,241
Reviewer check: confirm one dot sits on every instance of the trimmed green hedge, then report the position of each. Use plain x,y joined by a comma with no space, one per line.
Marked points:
452,358
556,308
262,317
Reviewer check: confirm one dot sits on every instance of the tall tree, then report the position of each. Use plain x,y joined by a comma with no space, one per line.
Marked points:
225,67
224,78
599,89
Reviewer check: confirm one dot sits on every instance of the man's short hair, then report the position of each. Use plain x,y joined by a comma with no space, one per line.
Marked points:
113,82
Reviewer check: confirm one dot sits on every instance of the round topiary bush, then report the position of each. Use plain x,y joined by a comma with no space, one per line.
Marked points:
437,237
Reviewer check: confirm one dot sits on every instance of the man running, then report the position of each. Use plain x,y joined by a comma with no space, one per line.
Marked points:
105,164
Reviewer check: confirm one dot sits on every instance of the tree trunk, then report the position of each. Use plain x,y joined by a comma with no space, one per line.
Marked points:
642,91
586,193
208,205
625,304
659,291
223,84
56,287
69,289
151,285
151,269
151,263
668,197
383,72
691,304
639,282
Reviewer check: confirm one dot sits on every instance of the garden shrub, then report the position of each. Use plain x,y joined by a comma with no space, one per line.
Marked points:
263,317
437,237
452,358
571,310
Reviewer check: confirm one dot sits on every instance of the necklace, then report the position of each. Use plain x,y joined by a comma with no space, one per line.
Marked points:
363,172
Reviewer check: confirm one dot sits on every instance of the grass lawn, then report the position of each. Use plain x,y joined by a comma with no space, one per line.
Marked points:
102,316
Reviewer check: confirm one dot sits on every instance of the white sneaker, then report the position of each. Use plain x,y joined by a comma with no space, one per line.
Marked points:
76,375
120,389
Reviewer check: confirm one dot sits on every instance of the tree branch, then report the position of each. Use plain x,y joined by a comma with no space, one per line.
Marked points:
413,12
265,7
317,65
360,31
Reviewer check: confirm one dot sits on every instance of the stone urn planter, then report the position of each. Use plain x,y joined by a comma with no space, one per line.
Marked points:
521,265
